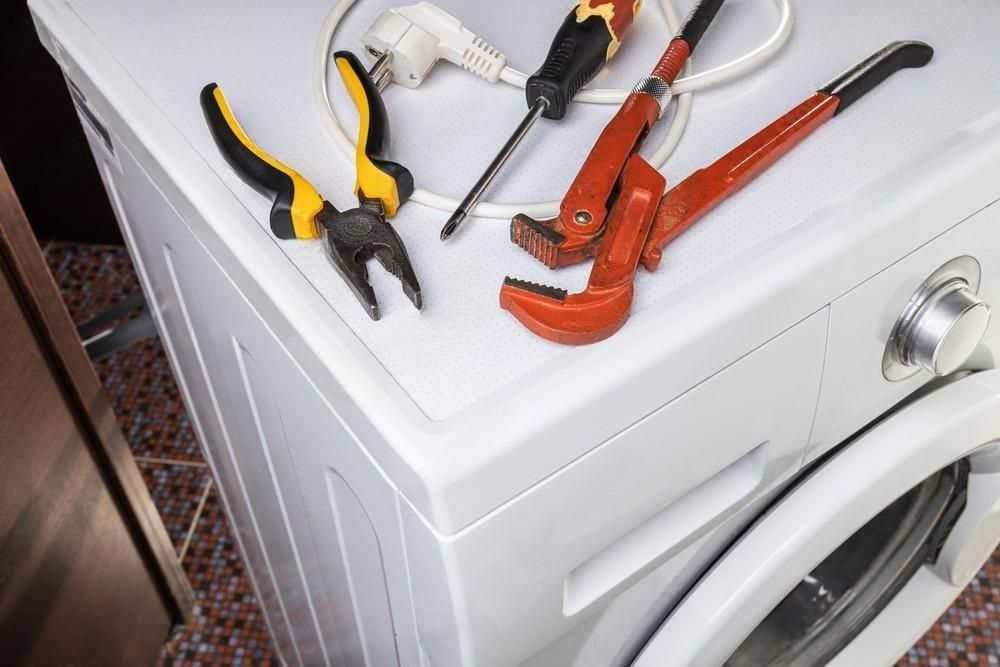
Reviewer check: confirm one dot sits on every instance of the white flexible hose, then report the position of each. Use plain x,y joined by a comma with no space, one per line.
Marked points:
682,89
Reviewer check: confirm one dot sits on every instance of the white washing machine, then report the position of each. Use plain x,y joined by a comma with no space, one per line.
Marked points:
756,469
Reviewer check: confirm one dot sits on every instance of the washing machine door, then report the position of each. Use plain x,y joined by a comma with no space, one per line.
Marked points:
854,563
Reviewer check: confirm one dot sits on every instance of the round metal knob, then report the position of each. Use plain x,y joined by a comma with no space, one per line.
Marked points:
942,325
947,330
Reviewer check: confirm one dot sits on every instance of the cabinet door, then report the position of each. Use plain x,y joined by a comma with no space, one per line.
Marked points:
87,572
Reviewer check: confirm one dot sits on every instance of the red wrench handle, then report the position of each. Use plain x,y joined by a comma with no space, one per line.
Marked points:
642,222
706,188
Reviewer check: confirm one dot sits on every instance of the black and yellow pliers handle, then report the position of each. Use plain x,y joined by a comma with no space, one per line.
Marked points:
377,176
296,202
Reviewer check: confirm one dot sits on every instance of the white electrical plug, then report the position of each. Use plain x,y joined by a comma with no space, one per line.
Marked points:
419,35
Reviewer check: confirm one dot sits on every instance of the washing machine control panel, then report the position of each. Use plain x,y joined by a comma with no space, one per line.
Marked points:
924,315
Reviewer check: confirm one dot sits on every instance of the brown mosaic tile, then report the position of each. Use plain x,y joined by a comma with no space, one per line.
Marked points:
177,491
148,404
137,379
969,632
91,278
228,628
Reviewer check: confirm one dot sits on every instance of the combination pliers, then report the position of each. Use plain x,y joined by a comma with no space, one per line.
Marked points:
299,212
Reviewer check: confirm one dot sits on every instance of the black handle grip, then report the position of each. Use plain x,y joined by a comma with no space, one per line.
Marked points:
698,20
853,84
296,203
578,53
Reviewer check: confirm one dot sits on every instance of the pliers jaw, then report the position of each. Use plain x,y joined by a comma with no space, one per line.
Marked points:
355,236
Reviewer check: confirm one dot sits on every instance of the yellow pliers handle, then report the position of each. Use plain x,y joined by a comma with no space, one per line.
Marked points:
377,176
296,202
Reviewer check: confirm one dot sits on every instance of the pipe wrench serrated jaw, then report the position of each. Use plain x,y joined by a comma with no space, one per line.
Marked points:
577,232
558,242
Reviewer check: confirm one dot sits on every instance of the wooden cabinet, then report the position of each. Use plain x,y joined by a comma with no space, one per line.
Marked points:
88,575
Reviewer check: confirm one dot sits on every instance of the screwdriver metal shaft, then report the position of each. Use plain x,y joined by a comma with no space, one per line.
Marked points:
477,192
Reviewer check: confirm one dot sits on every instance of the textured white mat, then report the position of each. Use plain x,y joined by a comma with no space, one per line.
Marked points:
463,347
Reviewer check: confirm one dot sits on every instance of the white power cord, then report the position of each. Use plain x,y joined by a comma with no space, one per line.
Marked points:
682,88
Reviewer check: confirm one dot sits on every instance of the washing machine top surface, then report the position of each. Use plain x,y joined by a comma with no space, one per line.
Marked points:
462,348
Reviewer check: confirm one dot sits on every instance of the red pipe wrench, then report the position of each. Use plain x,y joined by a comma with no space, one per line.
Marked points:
638,231
575,234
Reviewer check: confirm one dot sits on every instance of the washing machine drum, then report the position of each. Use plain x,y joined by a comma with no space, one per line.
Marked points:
855,562
837,600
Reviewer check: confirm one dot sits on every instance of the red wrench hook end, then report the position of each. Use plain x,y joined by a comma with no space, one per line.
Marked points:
568,319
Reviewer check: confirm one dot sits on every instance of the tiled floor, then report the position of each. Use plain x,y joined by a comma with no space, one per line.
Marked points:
228,628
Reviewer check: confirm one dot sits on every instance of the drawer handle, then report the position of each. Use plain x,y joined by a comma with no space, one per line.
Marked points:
666,533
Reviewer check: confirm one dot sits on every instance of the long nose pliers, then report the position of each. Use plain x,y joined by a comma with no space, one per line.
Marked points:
299,212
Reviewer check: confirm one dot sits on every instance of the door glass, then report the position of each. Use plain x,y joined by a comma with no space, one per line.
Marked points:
835,601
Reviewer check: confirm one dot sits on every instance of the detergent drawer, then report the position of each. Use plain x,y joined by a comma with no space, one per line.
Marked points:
642,502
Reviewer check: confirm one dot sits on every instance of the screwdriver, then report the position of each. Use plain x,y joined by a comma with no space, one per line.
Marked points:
588,38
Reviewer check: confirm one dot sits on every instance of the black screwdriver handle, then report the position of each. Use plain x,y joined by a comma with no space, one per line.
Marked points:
588,38
853,84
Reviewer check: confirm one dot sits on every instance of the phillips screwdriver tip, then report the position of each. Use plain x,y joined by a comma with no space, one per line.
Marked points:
457,218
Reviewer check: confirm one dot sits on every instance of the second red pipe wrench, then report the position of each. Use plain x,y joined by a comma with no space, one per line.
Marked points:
573,236
638,229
